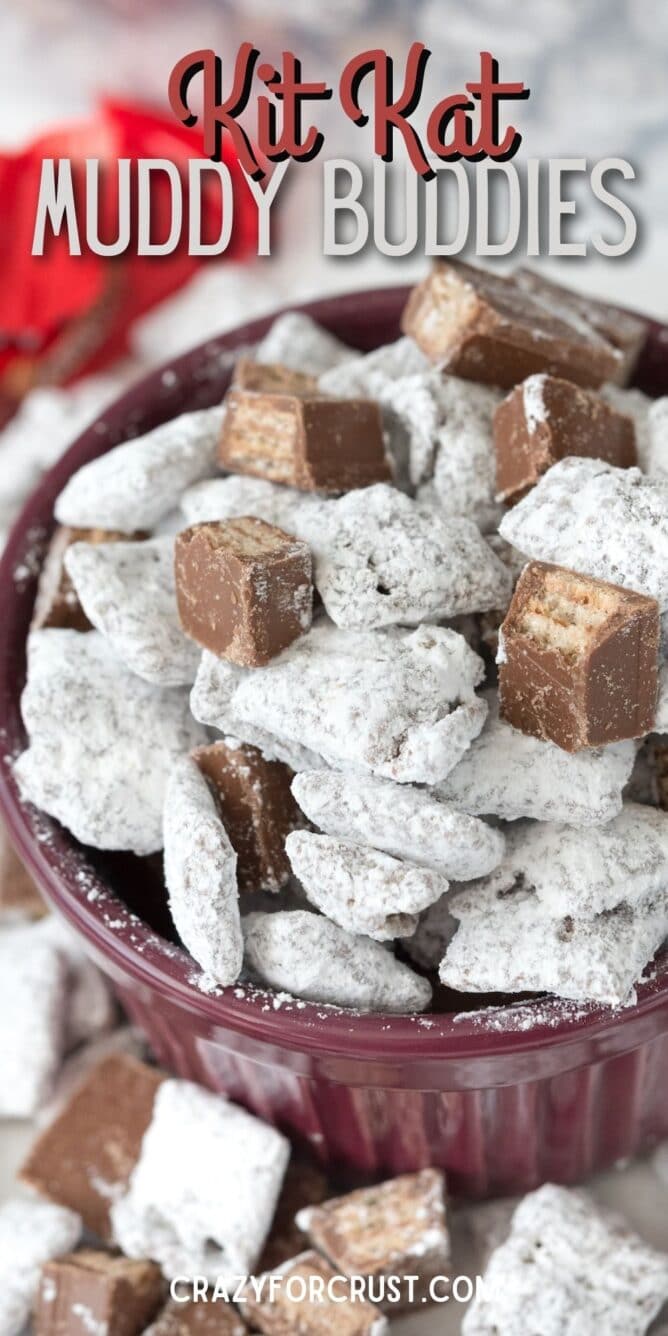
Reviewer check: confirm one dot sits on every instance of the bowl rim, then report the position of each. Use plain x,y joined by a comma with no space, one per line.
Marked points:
125,942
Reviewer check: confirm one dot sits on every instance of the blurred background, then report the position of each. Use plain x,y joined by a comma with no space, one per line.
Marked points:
89,77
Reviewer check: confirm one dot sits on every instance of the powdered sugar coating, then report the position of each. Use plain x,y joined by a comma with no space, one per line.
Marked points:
584,873
364,375
201,874
361,889
202,1195
661,720
128,592
405,822
568,1267
399,704
599,520
133,486
508,941
381,559
636,405
510,774
102,741
434,932
464,474
296,341
32,1233
236,496
33,1007
308,956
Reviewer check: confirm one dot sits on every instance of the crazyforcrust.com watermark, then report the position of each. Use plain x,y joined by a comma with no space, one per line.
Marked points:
313,1289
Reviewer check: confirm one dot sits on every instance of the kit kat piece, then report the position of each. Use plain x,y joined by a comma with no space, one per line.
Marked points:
545,419
197,1318
304,1301
257,810
625,330
314,442
484,327
96,1294
272,378
244,588
57,603
19,896
84,1158
578,659
397,1228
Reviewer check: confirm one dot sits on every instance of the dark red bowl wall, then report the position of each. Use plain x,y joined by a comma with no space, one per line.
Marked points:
503,1100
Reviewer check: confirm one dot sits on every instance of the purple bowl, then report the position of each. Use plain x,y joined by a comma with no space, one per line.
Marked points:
503,1099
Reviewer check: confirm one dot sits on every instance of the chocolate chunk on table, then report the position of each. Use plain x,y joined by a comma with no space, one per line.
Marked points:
272,378
257,809
625,330
304,1185
286,1312
578,659
397,1228
19,896
311,441
244,588
57,604
85,1157
198,1318
96,1294
486,328
546,418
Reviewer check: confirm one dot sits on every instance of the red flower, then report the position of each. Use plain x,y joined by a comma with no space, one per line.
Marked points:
61,315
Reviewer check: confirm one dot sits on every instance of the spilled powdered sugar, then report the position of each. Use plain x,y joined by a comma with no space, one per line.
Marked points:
102,741
201,874
310,957
134,485
383,559
511,774
203,1193
128,592
602,521
407,822
361,889
399,704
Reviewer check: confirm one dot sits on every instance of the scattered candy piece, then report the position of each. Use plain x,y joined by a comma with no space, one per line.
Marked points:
31,1233
102,741
244,588
136,484
96,1294
195,1318
201,874
408,823
128,592
203,1193
84,1158
578,659
567,1266
545,419
598,520
275,1311
310,957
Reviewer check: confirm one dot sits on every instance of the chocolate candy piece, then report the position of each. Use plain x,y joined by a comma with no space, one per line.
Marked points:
304,1185
313,442
484,327
257,809
86,1155
94,1292
545,419
57,603
272,378
19,897
395,1229
244,588
197,1318
294,1304
623,329
578,659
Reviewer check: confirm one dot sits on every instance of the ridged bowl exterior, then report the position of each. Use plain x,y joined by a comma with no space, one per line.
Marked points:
503,1099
